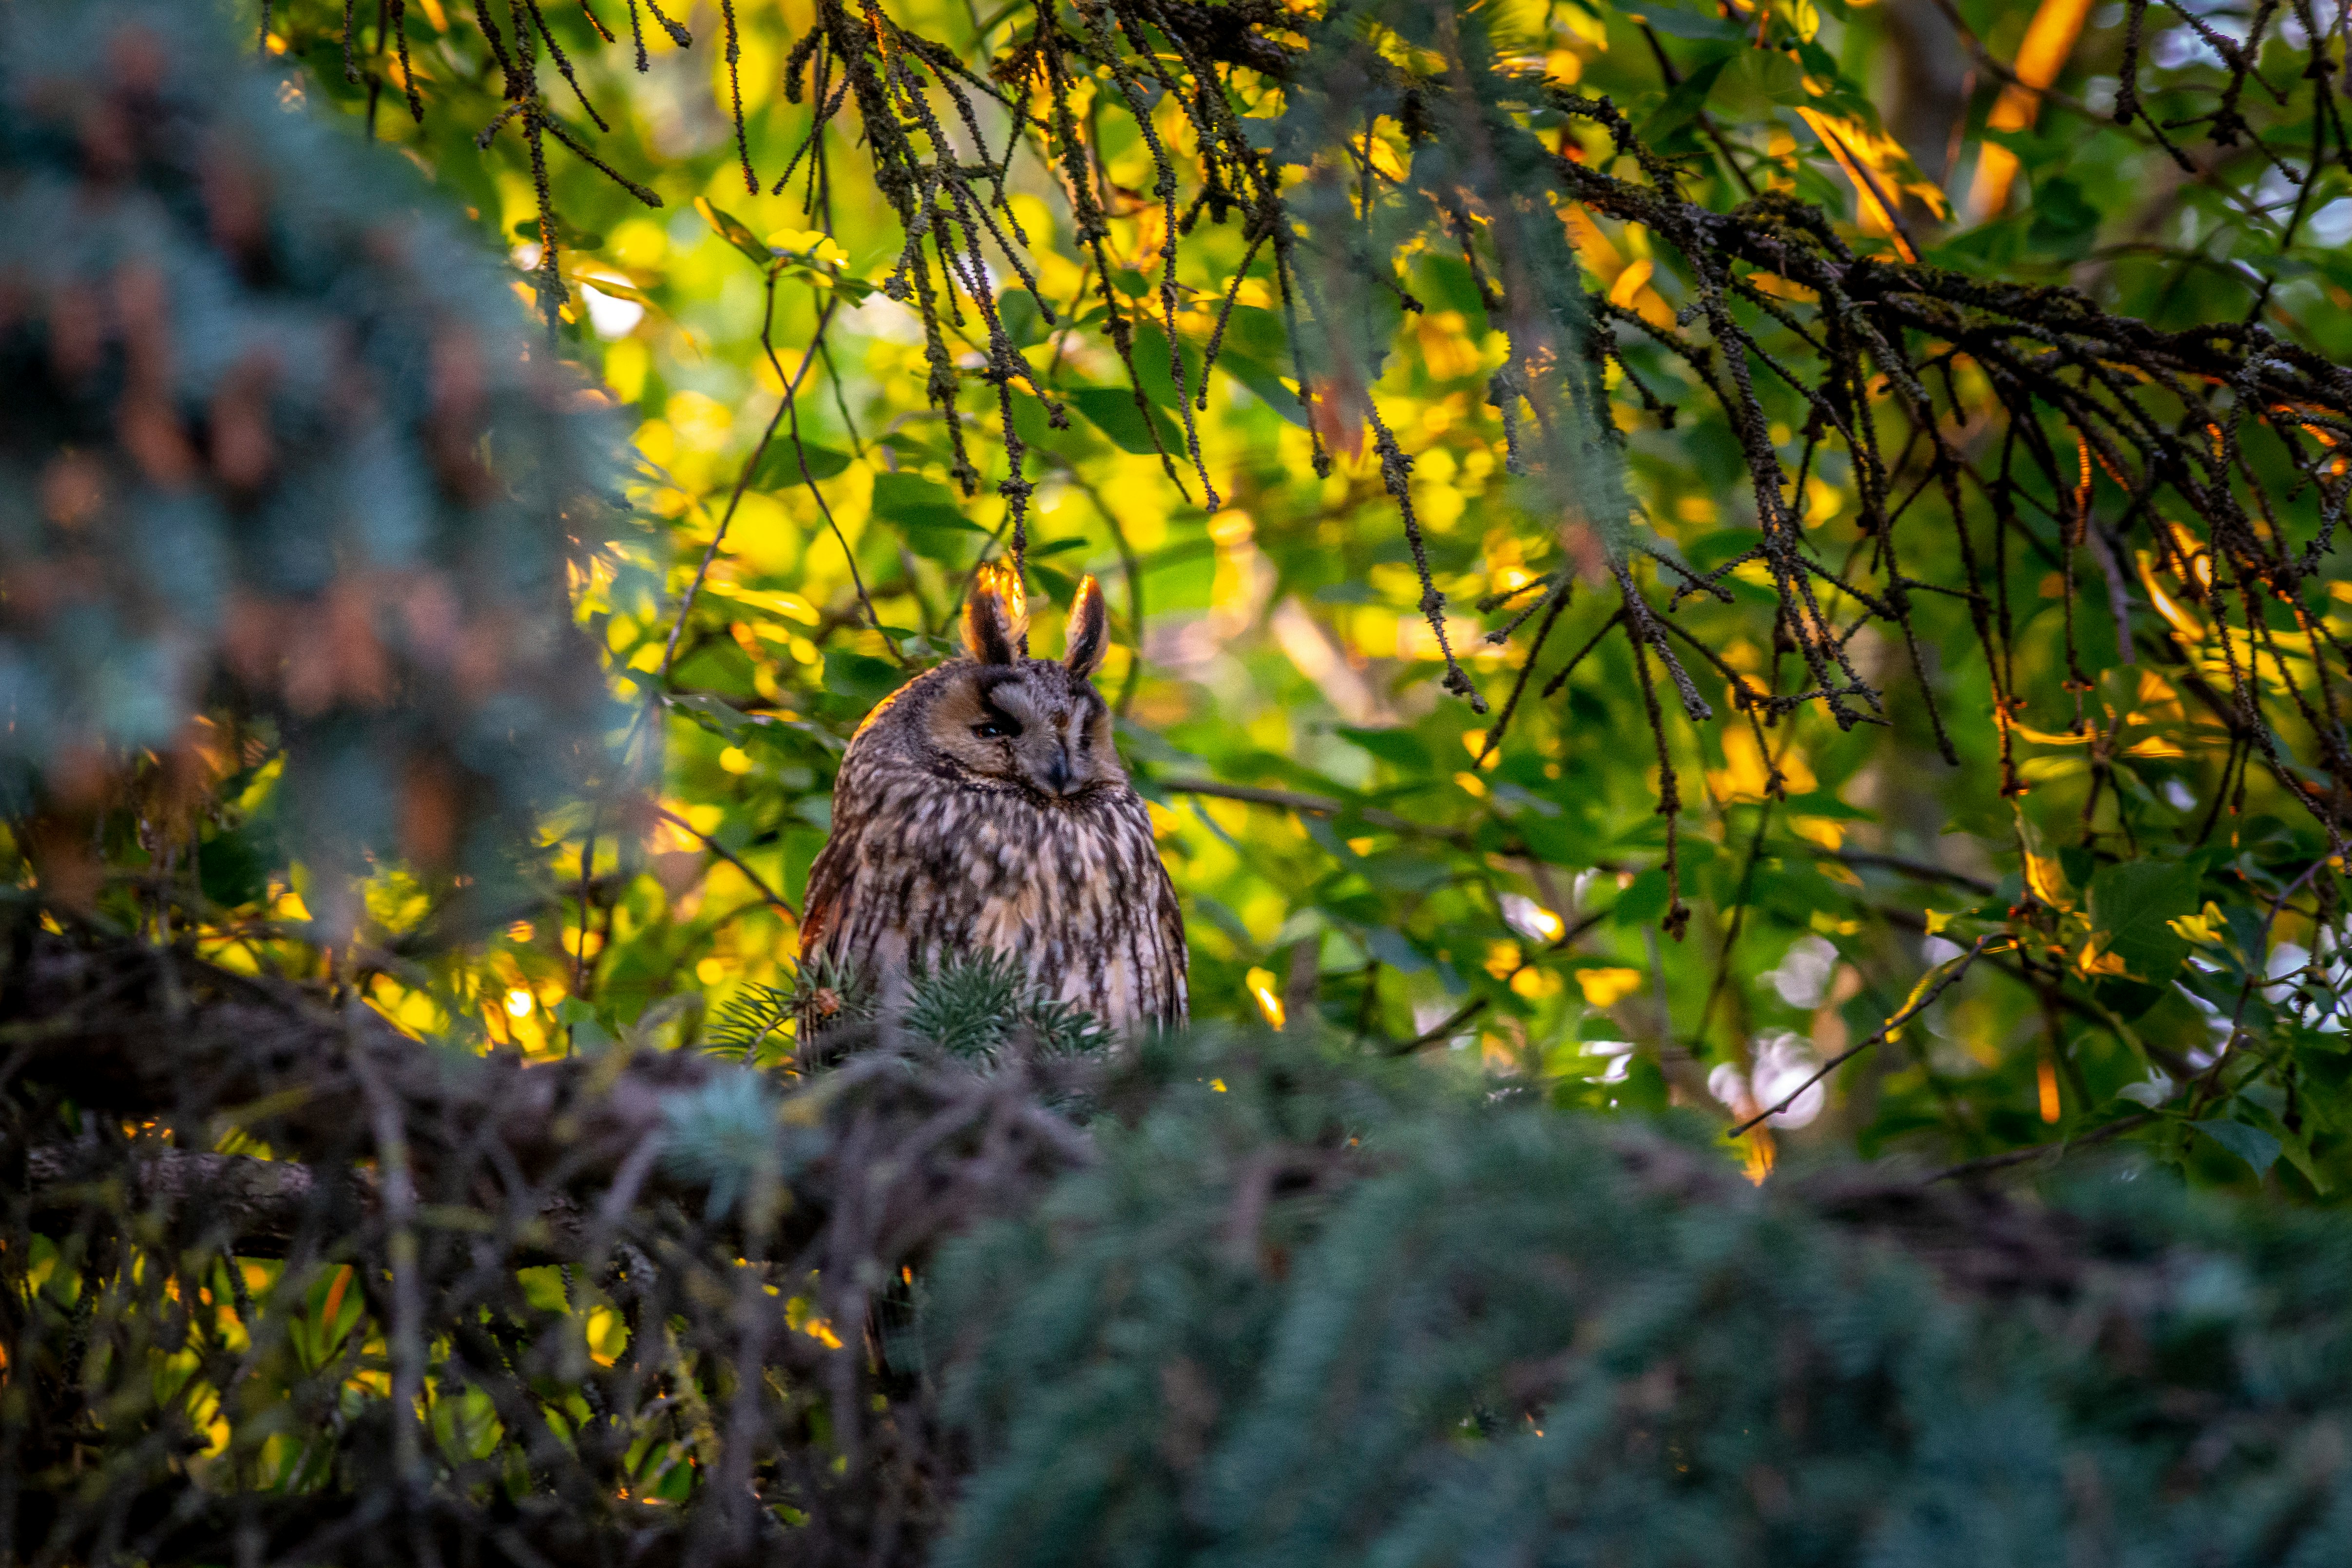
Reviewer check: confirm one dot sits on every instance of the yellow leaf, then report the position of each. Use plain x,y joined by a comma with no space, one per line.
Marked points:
1269,1001
2205,926
1925,983
2050,736
2184,626
1536,985
1383,158
1826,831
1781,289
2049,39
1607,988
2096,961
1879,170
1747,773
2043,770
1632,291
1598,254
1630,281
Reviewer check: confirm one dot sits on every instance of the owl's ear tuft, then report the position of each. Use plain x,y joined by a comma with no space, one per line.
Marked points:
995,615
1089,630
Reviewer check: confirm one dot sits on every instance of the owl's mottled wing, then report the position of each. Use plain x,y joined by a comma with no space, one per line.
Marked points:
1137,953
861,889
828,888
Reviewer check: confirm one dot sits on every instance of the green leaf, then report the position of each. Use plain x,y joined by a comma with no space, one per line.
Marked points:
860,675
566,234
1260,334
1024,323
1391,949
1059,585
734,231
917,502
1265,385
1153,373
2130,907
2252,1144
1402,748
2325,1081
1402,873
1032,422
1443,281
1644,902
589,1035
2064,221
1682,105
2127,999
1112,410
234,865
712,714
1771,76
779,464
1686,24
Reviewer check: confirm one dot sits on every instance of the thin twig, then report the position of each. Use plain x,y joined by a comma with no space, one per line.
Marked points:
757,881
1943,982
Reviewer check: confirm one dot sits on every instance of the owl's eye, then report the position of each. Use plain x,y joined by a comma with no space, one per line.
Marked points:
995,729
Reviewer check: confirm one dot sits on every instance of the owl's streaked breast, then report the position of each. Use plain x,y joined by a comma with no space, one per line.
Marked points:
927,867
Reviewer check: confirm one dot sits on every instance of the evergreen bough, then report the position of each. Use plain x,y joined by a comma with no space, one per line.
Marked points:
976,1005
281,469
1308,1314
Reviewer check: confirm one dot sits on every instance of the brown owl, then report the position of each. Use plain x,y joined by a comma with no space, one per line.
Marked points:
981,808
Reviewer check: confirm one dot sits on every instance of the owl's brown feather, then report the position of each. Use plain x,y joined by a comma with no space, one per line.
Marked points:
982,809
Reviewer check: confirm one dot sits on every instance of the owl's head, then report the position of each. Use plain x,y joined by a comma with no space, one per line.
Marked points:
1035,722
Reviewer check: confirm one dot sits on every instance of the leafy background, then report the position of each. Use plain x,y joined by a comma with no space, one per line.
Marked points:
1346,846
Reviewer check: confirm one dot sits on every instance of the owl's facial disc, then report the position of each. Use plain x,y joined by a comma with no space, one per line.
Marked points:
1034,725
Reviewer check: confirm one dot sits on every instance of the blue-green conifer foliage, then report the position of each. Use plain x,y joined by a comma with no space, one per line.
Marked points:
280,451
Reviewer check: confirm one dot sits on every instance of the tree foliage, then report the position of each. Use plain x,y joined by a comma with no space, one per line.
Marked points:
1966,562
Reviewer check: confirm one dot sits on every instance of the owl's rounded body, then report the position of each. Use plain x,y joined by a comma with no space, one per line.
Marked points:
981,809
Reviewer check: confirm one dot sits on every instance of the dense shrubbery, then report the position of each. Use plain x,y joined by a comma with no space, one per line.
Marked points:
1241,1300
1304,1313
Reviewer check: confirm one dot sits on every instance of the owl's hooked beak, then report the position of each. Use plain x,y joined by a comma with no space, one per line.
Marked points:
1057,770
